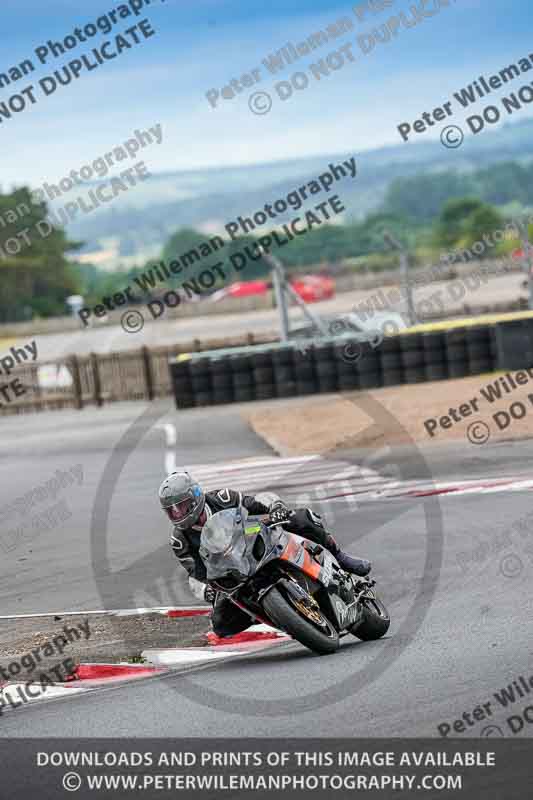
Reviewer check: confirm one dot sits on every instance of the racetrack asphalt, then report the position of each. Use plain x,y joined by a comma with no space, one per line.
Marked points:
474,637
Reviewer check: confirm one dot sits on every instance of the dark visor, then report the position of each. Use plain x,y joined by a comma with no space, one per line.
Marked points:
177,512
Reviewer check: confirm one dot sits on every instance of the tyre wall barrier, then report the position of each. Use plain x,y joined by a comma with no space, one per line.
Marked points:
346,364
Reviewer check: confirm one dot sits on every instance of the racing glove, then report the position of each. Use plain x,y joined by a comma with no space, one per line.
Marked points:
210,595
200,589
279,513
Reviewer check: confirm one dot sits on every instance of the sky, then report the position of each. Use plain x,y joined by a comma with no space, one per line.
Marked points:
199,46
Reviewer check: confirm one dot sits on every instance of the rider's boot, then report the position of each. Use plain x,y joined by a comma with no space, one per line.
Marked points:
357,566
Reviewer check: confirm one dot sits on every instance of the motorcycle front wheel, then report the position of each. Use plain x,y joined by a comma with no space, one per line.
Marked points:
306,624
376,620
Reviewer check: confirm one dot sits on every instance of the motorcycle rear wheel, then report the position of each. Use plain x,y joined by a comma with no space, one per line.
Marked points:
376,621
284,615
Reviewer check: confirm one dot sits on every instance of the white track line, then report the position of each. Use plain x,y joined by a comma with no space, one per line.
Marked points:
335,480
170,438
168,657
12,699
170,462
120,612
248,463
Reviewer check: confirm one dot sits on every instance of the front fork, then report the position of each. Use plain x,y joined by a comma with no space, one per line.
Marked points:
256,617
290,587
363,586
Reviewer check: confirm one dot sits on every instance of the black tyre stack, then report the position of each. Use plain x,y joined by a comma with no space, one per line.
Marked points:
478,348
303,365
412,350
284,372
391,361
222,380
182,385
493,346
264,379
346,354
456,353
512,346
435,356
242,377
325,367
369,366
201,382
343,363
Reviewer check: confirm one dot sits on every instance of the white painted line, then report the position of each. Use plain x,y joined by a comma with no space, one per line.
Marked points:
417,490
170,462
170,433
288,477
280,468
170,439
246,464
121,612
200,655
177,657
262,628
14,695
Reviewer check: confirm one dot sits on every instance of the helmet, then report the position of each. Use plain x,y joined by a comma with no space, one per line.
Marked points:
182,499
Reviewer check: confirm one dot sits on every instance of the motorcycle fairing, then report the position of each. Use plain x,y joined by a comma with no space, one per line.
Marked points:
227,548
347,614
295,553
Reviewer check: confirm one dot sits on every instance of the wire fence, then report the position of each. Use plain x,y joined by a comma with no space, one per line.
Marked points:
97,379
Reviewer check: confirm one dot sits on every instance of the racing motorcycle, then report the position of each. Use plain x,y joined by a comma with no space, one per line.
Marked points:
289,582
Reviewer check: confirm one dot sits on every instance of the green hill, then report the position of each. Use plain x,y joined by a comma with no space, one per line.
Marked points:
144,220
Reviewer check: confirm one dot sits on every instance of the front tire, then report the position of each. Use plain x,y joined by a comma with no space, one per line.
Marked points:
282,614
376,620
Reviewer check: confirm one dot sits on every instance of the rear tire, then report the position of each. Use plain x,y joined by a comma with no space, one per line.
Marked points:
376,621
288,619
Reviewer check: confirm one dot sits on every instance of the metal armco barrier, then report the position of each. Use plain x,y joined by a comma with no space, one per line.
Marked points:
339,364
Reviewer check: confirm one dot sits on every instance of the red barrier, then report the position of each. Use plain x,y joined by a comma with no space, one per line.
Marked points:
241,638
189,612
98,671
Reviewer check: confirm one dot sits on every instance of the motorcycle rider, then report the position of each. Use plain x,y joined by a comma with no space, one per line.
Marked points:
188,507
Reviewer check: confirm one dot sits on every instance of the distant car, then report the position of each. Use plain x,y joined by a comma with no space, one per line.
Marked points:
311,288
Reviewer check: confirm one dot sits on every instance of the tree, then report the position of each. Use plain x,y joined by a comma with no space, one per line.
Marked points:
375,225
480,223
504,183
182,241
452,224
421,197
96,283
252,270
36,275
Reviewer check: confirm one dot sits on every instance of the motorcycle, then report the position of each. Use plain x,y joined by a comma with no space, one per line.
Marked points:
284,580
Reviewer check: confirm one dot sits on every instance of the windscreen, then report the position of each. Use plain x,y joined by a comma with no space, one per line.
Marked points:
223,544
